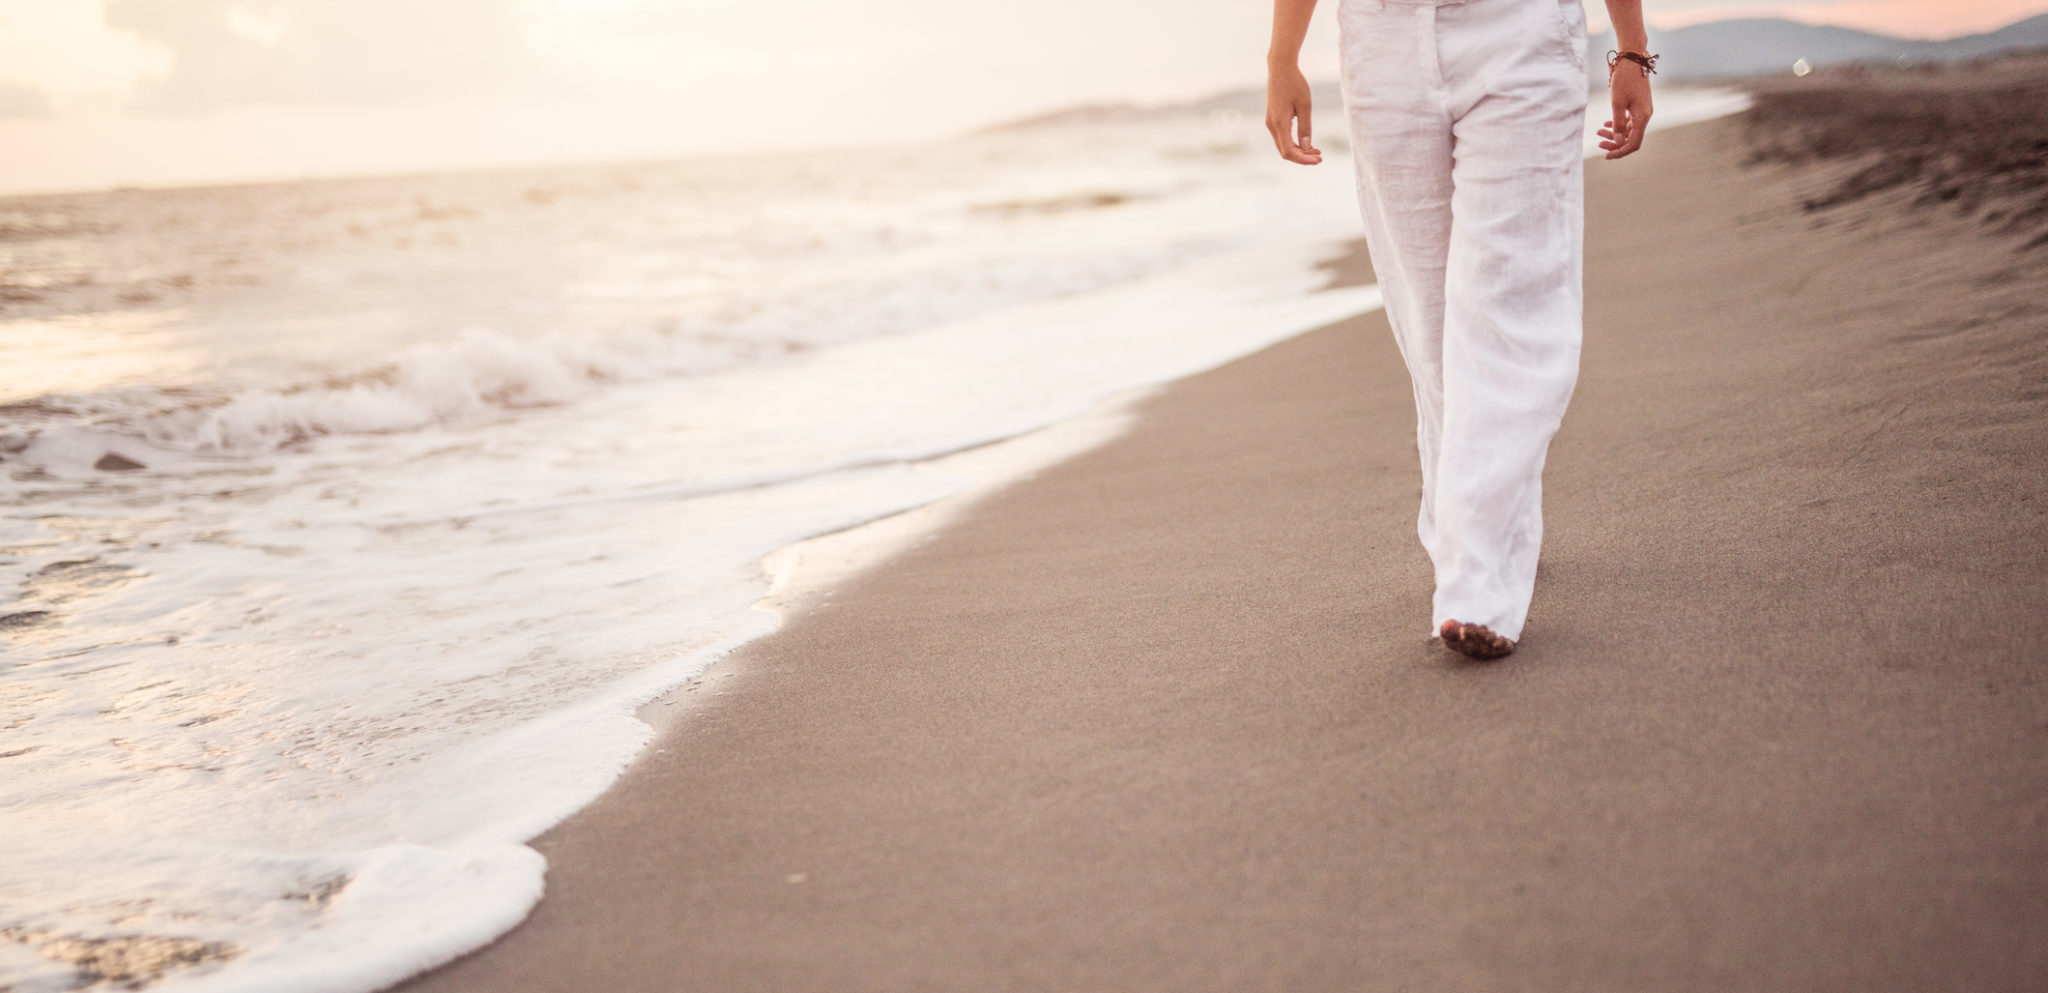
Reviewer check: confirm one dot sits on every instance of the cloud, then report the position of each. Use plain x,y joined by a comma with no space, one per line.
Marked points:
331,52
17,100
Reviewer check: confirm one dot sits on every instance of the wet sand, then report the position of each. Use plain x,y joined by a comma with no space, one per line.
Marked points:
1163,717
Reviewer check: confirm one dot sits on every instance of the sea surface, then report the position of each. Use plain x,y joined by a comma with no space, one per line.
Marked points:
344,523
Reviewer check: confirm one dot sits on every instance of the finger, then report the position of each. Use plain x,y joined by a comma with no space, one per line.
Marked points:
1638,123
1302,121
1635,135
1622,127
1293,153
1278,131
1303,151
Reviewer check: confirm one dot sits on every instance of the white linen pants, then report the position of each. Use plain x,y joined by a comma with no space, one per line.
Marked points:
1466,121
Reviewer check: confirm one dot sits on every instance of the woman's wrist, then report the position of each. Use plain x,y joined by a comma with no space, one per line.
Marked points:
1623,60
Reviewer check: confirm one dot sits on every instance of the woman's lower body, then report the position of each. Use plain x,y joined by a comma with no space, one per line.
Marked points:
1467,122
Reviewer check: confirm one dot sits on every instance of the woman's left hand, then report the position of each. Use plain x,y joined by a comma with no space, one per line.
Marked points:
1629,88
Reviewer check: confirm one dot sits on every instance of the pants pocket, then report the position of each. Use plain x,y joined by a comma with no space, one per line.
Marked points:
1571,30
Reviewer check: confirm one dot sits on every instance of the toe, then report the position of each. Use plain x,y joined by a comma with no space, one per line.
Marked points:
1475,640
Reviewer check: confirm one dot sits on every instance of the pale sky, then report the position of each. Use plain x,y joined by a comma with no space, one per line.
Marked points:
95,93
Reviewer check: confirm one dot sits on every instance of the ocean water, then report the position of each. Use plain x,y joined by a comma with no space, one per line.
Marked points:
344,524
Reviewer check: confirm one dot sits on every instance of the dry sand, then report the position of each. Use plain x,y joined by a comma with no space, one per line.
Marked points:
1163,718
1971,139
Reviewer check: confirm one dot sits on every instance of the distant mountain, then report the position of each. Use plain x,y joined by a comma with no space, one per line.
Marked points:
2030,33
1711,52
1248,101
1761,45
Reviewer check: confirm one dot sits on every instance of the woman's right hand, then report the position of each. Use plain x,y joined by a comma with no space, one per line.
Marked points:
1287,111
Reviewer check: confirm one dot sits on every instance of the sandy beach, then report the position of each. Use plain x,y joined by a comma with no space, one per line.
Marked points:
1163,716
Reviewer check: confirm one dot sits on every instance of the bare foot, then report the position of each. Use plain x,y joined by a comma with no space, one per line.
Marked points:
1475,640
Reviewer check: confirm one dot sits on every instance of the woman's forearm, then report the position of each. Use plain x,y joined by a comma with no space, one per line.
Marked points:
1290,104
1628,81
1290,26
1627,18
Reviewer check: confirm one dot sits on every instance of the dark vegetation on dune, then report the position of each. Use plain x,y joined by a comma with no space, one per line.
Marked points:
1976,144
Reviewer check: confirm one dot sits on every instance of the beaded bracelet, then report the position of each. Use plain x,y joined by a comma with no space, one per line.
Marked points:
1648,62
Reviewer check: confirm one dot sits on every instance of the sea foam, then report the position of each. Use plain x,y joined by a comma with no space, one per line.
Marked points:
321,706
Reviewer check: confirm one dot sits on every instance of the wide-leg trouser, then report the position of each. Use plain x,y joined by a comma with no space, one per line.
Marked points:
1466,121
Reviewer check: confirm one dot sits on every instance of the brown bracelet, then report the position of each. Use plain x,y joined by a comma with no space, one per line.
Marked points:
1648,62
